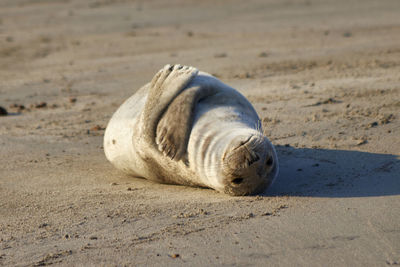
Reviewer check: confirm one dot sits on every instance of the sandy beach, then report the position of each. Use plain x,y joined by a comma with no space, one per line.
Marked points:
324,76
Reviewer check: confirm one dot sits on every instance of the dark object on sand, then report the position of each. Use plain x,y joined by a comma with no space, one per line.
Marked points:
3,111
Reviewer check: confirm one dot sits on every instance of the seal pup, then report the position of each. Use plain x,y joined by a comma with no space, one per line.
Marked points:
187,127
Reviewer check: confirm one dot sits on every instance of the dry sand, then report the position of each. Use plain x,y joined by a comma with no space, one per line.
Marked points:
323,75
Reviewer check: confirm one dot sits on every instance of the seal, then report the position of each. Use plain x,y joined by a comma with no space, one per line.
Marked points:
187,127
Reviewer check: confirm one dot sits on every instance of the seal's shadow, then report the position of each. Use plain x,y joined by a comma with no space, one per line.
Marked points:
335,173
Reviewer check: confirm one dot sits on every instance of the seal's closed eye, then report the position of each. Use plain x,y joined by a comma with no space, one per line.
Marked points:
237,180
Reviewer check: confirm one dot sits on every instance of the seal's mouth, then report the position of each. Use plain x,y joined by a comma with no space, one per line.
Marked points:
251,142
244,142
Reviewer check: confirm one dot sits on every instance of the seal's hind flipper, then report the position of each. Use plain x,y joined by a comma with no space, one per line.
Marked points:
163,89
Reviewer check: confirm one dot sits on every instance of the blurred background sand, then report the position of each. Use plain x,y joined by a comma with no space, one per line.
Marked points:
324,77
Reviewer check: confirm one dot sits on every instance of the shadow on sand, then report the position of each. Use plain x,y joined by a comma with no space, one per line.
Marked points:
335,173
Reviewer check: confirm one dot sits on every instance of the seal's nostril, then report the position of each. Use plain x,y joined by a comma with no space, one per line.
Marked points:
237,180
270,161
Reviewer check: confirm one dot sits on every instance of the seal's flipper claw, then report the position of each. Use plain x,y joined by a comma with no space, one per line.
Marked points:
160,136
170,137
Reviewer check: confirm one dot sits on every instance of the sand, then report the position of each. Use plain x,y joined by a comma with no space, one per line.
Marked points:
324,77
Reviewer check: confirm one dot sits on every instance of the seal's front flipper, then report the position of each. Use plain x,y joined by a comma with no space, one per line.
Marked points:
174,128
163,89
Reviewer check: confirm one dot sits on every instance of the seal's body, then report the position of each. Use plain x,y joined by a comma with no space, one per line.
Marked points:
189,128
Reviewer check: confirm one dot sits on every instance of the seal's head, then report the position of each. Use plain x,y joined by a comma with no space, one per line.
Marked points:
250,165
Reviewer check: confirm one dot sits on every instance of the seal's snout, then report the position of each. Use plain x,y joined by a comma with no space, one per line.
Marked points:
249,166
